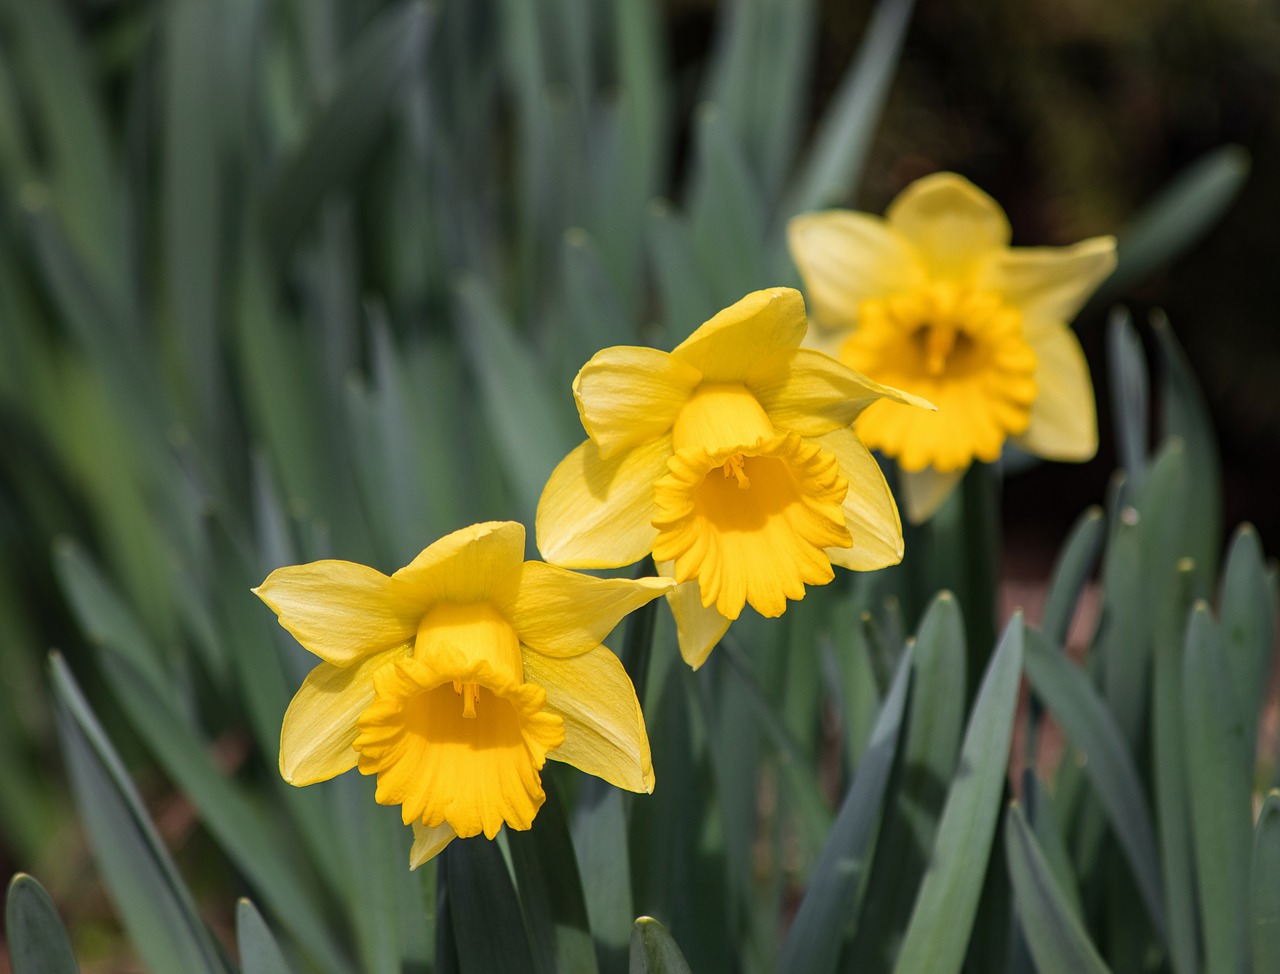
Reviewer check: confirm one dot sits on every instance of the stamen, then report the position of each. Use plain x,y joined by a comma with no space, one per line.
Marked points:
939,342
470,693
736,466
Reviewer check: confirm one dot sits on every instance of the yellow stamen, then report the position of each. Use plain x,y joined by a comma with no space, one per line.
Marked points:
939,340
736,466
470,693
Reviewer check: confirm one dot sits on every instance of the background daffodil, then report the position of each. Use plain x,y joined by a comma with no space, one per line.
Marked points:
732,460
933,300
454,679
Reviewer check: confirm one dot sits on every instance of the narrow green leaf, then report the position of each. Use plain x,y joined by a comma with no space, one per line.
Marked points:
687,295
154,903
1169,733
1044,823
1248,625
1179,214
1186,416
1265,919
942,919
530,426
1122,645
833,169
484,909
344,132
813,942
653,951
1129,388
546,871
1219,786
259,952
1057,940
38,942
1068,694
925,762
1074,565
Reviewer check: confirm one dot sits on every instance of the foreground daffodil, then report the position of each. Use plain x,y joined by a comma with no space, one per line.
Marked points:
454,679
933,300
732,460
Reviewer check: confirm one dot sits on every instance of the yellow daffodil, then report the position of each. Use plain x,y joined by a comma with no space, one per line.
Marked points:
454,679
933,300
732,460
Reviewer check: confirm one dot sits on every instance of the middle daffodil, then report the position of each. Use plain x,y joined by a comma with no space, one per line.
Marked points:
732,460
454,679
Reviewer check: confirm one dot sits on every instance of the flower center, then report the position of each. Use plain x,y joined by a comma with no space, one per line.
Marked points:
962,349
476,766
751,523
479,632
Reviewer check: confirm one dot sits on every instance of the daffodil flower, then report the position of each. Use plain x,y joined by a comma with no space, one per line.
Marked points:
933,300
732,460
454,679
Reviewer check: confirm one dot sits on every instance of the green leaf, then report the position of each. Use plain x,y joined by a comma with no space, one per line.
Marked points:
1068,694
529,425
1248,625
653,951
38,942
1129,388
346,128
1123,646
925,762
813,942
942,919
833,169
484,909
259,953
1218,781
687,298
1186,416
1057,940
1172,602
1074,565
154,903
1265,919
550,888
1183,210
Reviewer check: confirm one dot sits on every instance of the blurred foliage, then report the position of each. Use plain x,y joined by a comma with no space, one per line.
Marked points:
284,280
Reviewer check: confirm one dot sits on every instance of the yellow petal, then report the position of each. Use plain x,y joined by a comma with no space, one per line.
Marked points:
562,613
763,323
595,513
627,396
954,226
815,394
339,610
870,513
604,732
429,842
924,491
453,742
846,258
320,724
698,627
1050,284
1064,420
476,564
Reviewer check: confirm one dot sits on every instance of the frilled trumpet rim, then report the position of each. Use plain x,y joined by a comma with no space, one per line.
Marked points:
751,523
457,742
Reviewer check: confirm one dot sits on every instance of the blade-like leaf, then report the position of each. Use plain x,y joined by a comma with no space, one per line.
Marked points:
1218,781
154,903
485,911
1057,940
1092,730
653,951
259,952
1129,387
38,942
941,921
1248,625
813,943
1075,563
1265,920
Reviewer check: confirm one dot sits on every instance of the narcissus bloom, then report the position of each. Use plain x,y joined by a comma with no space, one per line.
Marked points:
732,460
454,679
933,300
